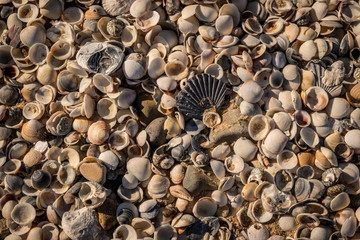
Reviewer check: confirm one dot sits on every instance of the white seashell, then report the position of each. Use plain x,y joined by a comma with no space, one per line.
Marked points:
275,141
224,25
234,164
219,197
134,66
218,168
282,121
106,108
139,167
308,50
259,126
245,148
110,159
33,110
33,34
140,7
316,98
251,92
352,139
310,137
27,12
98,132
287,160
204,207
338,108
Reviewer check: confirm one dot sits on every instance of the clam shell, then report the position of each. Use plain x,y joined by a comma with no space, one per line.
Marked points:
98,133
340,202
257,231
259,127
23,213
352,139
287,160
204,207
234,164
284,180
338,108
251,92
316,98
310,137
139,167
275,141
158,186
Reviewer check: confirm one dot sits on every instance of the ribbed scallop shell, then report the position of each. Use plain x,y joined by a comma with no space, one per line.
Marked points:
117,7
201,92
318,68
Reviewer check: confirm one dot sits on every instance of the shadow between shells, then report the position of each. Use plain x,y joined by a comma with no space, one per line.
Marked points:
179,119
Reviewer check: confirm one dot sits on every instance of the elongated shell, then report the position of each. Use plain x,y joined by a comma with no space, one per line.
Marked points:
201,92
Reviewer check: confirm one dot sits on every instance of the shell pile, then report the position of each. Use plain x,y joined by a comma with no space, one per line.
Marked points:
179,119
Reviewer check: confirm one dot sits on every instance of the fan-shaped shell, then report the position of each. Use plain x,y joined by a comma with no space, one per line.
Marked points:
201,92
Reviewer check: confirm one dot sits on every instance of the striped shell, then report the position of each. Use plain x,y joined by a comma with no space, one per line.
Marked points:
201,92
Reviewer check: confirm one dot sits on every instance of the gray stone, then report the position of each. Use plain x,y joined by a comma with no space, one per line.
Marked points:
147,108
155,132
196,180
232,127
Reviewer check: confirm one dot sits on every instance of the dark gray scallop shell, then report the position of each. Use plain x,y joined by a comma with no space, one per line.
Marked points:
201,92
100,57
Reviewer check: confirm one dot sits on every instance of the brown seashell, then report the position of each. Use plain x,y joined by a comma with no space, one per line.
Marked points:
31,131
32,158
93,170
306,158
98,133
355,92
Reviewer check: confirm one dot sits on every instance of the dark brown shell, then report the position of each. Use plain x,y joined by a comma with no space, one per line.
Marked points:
335,190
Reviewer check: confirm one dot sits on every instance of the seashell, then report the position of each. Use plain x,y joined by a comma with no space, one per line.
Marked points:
32,34
282,121
234,164
143,227
51,9
116,8
125,212
98,133
316,98
259,127
308,219
12,166
45,94
211,119
204,207
182,220
66,175
287,160
40,179
31,131
349,227
134,66
131,195
214,96
351,139
310,137
218,168
224,25
140,8
275,141
331,176
23,213
177,174
119,140
158,186
338,108
340,202
139,167
148,209
257,231
92,57
284,180
287,223
33,110
302,118
91,169
61,50
32,158
58,124
302,189
45,198
106,108
248,192
258,213
179,191
219,197
251,92
165,231
7,209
